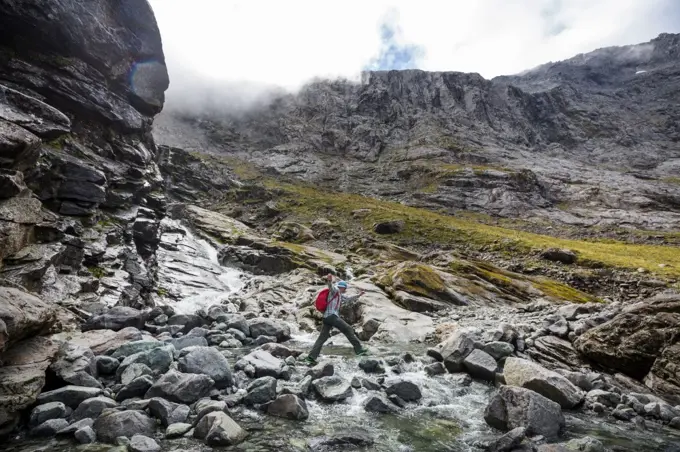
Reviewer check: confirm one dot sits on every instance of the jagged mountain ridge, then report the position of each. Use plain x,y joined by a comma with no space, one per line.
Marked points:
599,137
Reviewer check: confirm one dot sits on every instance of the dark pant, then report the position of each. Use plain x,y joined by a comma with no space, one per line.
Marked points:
328,324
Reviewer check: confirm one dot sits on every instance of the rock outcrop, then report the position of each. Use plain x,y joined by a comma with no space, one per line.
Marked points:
641,342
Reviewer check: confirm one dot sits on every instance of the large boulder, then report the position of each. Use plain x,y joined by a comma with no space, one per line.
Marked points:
261,391
633,340
91,408
157,359
266,327
664,377
405,389
207,361
75,364
289,406
113,424
480,365
332,389
264,364
512,407
24,315
218,429
22,377
71,396
455,349
180,387
167,412
527,374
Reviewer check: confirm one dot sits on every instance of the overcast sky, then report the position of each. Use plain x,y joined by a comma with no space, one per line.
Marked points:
287,42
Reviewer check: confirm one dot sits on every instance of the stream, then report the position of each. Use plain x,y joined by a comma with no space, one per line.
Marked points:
448,418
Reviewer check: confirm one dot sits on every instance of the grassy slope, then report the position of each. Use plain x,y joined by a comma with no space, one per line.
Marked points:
308,203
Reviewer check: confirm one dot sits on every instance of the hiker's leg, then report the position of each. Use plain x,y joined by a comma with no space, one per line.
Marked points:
347,330
323,337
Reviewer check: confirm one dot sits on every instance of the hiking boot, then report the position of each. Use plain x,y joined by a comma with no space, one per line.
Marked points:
363,352
310,361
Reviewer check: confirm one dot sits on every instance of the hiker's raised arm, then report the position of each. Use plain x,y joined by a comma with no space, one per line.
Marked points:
329,281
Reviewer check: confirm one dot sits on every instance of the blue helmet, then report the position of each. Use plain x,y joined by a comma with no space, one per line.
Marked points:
342,284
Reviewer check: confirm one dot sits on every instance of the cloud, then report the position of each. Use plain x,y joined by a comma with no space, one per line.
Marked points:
286,43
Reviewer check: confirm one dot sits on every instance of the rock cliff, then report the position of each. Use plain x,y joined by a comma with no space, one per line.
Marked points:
80,194
588,141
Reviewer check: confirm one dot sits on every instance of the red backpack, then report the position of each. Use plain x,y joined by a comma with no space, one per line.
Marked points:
321,302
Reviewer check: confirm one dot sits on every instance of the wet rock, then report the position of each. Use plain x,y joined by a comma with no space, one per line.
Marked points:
356,439
389,227
168,412
261,391
435,369
85,435
91,408
266,327
262,340
480,365
332,389
133,371
116,319
239,335
207,361
189,341
512,407
377,403
405,389
136,388
218,429
300,388
289,406
372,366
361,382
520,372
49,428
509,441
264,364
113,424
157,359
47,411
180,387
609,399
279,351
205,406
141,443
559,255
624,413
106,365
499,349
455,349
70,396
322,369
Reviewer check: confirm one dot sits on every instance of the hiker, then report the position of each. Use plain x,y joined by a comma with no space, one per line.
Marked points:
331,318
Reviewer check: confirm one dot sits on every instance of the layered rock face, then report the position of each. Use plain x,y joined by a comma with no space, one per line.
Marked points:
588,140
80,195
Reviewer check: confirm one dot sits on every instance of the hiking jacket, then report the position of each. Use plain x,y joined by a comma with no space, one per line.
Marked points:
336,299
